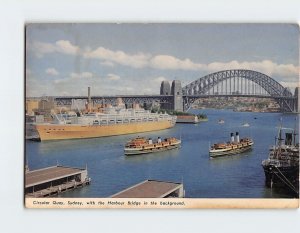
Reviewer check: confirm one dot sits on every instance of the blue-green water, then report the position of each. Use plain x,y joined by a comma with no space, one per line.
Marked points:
239,176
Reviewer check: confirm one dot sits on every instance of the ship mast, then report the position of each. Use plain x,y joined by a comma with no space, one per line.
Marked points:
294,132
280,139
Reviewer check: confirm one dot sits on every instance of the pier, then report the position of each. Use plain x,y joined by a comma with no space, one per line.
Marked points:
152,189
51,181
187,119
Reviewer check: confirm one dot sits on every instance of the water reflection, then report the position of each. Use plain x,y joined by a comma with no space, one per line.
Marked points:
163,155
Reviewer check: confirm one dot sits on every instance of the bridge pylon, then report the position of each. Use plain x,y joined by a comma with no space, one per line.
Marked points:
165,89
176,92
296,102
176,101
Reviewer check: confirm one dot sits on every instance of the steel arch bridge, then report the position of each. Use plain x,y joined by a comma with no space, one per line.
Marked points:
210,83
242,83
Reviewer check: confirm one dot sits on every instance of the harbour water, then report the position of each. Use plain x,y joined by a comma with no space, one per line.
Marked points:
238,176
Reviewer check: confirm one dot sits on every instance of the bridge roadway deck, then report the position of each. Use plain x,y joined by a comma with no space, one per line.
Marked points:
169,96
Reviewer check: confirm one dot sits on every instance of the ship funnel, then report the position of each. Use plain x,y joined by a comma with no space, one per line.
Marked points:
237,137
288,138
89,95
232,137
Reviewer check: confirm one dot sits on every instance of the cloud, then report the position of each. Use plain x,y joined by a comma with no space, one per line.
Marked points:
60,46
52,71
147,90
266,66
160,61
74,78
166,62
40,48
65,93
107,63
160,79
58,81
65,46
81,75
113,77
128,88
290,85
138,60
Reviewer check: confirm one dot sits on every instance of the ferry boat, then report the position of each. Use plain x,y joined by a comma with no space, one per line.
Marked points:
139,145
112,121
282,166
235,146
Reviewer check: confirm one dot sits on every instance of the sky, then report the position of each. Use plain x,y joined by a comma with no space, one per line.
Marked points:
65,59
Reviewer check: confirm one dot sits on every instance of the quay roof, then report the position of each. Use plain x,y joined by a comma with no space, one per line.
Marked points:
48,174
149,189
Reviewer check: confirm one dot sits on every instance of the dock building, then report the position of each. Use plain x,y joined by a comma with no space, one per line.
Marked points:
51,181
152,189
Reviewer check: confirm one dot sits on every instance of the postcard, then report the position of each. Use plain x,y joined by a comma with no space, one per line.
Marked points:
161,115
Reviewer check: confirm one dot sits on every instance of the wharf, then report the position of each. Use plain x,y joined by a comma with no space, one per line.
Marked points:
51,181
152,189
30,132
33,138
191,119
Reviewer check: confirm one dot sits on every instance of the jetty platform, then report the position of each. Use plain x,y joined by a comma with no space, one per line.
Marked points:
51,181
152,189
187,119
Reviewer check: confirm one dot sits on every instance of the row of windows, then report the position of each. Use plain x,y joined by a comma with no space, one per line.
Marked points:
96,122
54,129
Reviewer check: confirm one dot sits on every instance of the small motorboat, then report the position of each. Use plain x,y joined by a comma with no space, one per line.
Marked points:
245,124
221,121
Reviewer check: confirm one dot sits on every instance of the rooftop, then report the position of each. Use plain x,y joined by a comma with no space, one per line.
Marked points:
149,189
49,174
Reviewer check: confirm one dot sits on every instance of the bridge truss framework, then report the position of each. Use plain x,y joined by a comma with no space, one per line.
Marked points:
239,81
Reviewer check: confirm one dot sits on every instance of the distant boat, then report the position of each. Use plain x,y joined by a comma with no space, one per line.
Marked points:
221,121
245,124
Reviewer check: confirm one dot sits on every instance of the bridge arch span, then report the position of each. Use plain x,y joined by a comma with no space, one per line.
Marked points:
202,85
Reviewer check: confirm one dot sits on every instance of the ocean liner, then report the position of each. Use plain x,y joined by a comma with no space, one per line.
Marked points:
282,166
235,146
112,121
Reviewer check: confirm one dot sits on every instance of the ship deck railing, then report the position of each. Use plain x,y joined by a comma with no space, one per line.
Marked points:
277,163
125,119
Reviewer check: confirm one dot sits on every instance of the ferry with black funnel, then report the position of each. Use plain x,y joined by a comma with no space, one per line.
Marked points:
235,146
